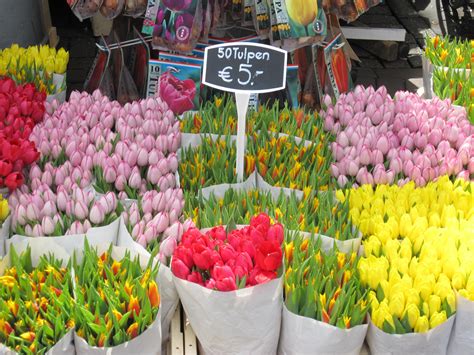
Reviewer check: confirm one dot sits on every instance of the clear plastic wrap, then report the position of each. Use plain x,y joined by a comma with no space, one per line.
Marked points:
135,8
112,8
85,8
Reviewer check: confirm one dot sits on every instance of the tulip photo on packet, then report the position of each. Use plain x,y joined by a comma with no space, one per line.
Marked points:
116,300
36,303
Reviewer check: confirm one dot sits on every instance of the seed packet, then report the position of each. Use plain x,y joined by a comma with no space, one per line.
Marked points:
248,9
85,8
178,25
112,8
261,18
178,84
274,34
299,25
293,86
135,8
337,66
150,17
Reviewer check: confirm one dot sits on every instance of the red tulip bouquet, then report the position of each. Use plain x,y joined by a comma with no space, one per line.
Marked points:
232,277
20,109
117,302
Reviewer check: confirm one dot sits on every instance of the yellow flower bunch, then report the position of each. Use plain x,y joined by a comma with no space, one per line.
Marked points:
419,249
4,210
452,53
35,64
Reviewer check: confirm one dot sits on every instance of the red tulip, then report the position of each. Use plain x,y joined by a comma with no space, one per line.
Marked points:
275,233
269,256
179,268
259,276
5,167
13,180
195,277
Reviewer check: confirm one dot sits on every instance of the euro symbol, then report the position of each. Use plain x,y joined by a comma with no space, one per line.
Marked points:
224,74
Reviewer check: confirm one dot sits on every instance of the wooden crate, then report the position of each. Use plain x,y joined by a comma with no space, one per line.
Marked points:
182,338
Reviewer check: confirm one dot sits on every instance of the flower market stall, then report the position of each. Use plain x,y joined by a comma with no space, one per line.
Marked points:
126,228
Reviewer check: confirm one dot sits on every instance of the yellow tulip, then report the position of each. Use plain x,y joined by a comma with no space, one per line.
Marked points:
413,313
434,302
302,12
412,296
437,319
422,324
458,280
397,305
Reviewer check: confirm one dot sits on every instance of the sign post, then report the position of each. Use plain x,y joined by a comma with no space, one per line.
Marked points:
244,68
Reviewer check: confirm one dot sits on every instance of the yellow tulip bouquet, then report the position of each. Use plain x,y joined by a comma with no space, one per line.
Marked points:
418,251
450,52
42,65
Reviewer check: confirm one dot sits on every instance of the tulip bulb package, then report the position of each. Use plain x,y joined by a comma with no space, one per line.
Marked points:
177,25
177,84
261,17
297,23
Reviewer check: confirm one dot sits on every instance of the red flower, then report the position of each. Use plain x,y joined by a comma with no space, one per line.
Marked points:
5,167
202,256
226,284
195,277
13,181
259,276
262,221
185,255
275,233
179,268
269,256
227,252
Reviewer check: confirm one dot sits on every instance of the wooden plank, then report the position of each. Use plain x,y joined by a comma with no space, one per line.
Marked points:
47,25
176,336
190,347
386,50
375,34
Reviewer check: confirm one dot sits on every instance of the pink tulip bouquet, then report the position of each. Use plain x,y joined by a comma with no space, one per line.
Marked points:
68,211
65,175
154,221
384,140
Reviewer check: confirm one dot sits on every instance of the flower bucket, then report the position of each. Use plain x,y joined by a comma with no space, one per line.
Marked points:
462,336
4,233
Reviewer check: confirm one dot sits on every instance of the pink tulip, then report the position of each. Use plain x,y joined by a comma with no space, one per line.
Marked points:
120,183
47,225
110,174
342,181
80,210
377,157
97,214
37,231
135,179
383,145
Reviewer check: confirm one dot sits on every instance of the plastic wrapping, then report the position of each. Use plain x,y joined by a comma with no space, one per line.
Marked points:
434,341
462,336
135,8
112,8
95,236
246,321
4,233
86,8
305,336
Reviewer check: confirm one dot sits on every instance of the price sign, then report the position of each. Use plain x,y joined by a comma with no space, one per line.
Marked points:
244,68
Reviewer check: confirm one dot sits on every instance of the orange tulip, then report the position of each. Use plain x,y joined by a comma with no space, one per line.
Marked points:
132,331
153,294
134,306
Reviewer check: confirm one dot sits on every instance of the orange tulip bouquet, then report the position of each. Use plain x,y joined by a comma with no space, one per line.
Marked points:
117,302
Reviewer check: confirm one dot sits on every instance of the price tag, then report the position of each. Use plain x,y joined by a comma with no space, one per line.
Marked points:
244,68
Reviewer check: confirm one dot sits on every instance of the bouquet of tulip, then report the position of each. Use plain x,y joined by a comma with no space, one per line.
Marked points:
420,246
216,117
322,286
228,261
282,162
21,108
35,64
131,171
383,140
450,52
457,86
153,222
220,117
149,119
211,163
36,307
46,213
406,296
117,300
314,213
214,270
